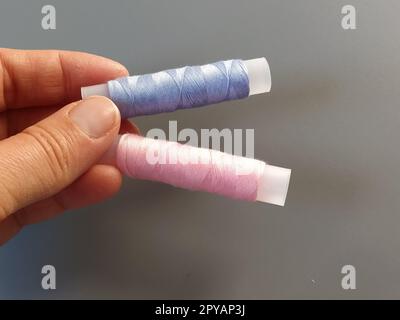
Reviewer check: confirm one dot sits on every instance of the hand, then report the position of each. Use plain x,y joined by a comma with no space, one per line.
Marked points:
48,154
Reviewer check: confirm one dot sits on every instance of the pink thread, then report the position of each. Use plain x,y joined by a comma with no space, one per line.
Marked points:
188,167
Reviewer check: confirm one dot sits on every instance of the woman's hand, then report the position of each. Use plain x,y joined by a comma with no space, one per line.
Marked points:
48,152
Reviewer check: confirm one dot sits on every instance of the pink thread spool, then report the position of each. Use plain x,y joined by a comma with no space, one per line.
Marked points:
199,169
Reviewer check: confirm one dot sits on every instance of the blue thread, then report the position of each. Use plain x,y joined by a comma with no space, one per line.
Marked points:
182,88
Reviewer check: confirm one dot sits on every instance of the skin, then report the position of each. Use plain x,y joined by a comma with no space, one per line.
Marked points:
40,176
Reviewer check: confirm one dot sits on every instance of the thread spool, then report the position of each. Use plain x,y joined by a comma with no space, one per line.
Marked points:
185,87
202,169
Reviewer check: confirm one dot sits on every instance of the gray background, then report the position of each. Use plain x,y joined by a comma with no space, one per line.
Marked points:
332,116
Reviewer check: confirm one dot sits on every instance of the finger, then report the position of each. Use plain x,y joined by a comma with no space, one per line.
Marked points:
128,127
50,77
48,156
97,184
15,121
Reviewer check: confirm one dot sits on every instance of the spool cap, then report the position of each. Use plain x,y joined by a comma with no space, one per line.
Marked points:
96,90
273,185
259,75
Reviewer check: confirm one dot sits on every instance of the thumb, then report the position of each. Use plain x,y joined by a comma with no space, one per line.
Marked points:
48,156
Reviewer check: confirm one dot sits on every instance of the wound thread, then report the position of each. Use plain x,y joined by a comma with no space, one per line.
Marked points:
182,88
188,167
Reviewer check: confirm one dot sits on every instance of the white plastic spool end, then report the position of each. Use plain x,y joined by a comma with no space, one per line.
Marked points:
259,75
96,90
273,185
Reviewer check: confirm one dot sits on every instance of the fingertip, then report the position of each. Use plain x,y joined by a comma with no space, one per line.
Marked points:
96,116
105,66
88,69
111,179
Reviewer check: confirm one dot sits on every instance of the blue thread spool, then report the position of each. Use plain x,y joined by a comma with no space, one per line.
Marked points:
187,87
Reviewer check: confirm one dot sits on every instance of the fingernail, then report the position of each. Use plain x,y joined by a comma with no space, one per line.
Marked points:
95,116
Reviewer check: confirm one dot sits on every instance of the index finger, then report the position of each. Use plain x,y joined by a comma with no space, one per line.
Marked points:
50,77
